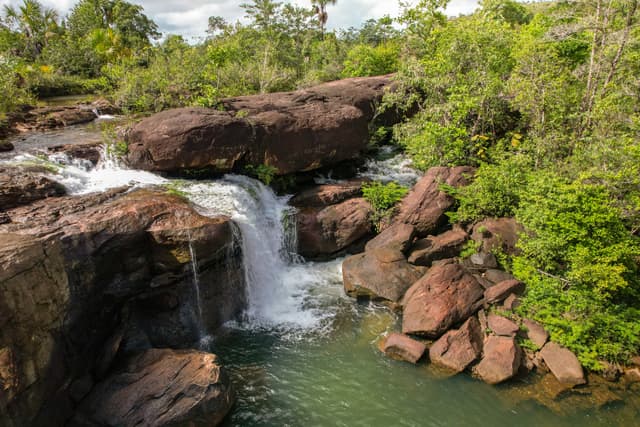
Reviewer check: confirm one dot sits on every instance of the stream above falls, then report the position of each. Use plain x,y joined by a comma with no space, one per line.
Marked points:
306,354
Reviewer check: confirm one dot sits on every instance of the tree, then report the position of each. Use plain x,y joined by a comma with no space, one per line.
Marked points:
321,12
34,24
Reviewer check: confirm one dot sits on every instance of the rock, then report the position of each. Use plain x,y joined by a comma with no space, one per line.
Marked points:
402,347
161,388
4,218
635,360
397,236
502,326
425,205
632,375
502,290
611,372
497,234
379,273
511,303
447,295
89,152
326,231
457,349
6,146
291,132
8,376
484,260
535,333
19,187
73,270
443,246
501,360
563,364
497,276
484,323
103,106
327,194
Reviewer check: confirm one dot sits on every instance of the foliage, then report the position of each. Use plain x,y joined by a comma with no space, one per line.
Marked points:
13,95
365,60
264,173
383,199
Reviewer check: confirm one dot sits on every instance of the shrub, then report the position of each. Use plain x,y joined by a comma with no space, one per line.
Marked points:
383,199
264,173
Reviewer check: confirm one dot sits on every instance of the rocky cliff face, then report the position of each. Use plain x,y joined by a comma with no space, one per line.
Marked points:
87,280
291,132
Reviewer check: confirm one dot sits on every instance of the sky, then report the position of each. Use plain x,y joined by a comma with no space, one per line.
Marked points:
190,17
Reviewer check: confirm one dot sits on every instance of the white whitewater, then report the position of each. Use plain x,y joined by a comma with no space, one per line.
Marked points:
395,167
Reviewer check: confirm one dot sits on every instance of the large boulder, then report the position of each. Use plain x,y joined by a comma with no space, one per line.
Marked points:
324,231
160,388
398,346
447,295
434,248
398,236
381,273
501,360
563,364
74,271
425,205
291,132
20,187
457,349
497,234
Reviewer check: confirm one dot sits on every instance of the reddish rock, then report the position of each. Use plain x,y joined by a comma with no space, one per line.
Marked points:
502,326
535,333
89,152
425,205
563,364
635,360
501,360
511,302
632,375
379,273
325,231
497,276
502,290
161,388
483,260
499,234
398,236
457,349
447,295
327,194
442,246
402,347
8,376
19,187
291,132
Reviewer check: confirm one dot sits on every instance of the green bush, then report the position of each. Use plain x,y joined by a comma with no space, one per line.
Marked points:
364,60
383,199
264,173
13,94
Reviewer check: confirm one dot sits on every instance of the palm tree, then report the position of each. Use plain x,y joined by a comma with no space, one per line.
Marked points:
36,23
321,11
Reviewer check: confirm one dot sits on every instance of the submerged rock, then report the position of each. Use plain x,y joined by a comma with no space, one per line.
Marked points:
160,388
6,146
563,364
402,347
457,349
379,273
501,360
425,205
291,132
444,297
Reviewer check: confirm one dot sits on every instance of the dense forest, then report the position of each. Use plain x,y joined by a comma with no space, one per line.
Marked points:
544,98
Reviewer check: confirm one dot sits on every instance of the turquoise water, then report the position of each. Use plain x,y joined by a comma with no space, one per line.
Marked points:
334,375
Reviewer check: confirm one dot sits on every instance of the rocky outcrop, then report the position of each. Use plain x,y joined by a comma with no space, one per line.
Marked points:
563,364
443,246
502,290
501,360
323,231
290,132
381,273
89,152
457,349
83,279
497,234
447,295
20,187
160,388
425,205
398,346
321,196
398,237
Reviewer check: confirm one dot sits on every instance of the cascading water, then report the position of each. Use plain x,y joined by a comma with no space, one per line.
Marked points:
196,289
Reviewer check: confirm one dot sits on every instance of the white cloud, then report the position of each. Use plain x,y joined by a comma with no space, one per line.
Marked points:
189,17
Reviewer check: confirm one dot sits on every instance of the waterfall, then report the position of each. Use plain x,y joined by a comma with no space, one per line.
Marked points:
196,289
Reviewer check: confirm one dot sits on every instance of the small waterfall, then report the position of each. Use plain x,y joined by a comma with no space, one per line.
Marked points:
196,289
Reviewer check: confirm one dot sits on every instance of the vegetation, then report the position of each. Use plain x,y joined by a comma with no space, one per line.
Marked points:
383,199
542,98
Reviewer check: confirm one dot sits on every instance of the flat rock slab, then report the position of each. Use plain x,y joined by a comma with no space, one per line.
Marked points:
563,364
502,326
380,273
457,349
447,295
160,388
535,333
398,236
327,194
290,131
502,290
501,360
398,346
